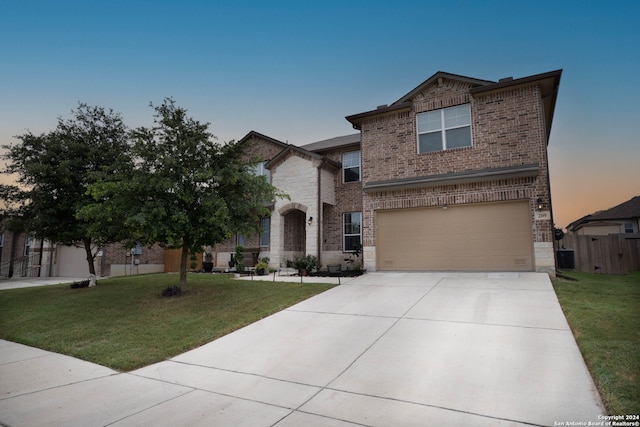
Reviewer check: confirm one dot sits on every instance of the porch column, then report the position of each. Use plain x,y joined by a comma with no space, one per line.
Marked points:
277,240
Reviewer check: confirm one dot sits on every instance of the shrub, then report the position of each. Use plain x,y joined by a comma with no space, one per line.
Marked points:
309,263
171,291
80,284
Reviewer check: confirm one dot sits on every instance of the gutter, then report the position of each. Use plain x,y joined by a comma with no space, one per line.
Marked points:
319,241
523,171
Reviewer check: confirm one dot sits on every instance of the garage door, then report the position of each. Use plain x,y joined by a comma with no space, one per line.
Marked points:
478,237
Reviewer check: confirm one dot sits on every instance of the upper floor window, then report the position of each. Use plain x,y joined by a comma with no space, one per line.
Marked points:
351,166
260,170
628,227
444,129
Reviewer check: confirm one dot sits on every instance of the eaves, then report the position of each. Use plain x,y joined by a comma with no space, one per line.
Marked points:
523,171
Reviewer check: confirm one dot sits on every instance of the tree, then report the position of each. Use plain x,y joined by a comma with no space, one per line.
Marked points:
187,190
54,170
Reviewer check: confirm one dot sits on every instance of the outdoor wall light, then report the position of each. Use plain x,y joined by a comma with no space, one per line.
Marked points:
310,220
539,204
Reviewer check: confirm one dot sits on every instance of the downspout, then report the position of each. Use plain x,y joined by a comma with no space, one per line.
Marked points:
52,248
320,210
554,242
40,260
103,262
14,244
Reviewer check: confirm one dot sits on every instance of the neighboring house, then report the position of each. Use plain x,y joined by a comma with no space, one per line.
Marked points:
15,251
621,219
111,260
451,176
23,256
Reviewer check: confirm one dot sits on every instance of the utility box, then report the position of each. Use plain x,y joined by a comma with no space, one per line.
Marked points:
566,259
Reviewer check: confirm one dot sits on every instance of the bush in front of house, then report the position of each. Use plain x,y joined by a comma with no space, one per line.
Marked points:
80,284
171,291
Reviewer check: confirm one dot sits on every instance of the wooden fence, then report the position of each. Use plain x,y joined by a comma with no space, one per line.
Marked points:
172,261
611,254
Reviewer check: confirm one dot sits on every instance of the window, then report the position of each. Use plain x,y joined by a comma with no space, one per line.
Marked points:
352,231
351,166
444,129
265,236
260,170
241,241
628,227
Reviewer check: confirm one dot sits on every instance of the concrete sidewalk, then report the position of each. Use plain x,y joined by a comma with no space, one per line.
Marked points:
386,349
29,282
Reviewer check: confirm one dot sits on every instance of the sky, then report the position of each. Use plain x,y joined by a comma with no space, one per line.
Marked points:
293,70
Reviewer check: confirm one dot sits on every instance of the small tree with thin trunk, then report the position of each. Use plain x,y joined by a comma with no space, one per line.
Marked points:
187,190
53,171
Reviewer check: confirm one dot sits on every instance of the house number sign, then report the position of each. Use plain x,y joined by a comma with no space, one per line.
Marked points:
542,215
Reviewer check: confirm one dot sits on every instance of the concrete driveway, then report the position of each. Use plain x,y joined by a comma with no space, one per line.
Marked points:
385,349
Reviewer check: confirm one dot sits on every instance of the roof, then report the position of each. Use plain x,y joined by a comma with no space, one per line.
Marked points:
627,210
442,75
254,134
301,152
331,143
549,82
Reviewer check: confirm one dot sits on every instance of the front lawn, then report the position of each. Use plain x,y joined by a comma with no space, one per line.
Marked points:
604,314
124,323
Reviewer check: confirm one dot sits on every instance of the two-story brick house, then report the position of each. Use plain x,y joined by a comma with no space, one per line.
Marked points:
452,176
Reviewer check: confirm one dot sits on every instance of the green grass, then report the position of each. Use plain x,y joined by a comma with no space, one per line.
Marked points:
604,314
125,323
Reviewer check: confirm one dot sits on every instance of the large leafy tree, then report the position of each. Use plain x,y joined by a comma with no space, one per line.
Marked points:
54,170
187,189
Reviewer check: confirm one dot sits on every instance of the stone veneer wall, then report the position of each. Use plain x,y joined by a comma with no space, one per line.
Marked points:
256,149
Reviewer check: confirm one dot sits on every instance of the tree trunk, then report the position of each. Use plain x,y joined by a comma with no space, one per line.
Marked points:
87,248
184,257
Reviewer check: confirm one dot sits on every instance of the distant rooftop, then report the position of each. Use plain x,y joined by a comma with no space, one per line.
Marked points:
628,209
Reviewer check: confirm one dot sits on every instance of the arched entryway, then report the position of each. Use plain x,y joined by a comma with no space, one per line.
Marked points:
295,240
293,231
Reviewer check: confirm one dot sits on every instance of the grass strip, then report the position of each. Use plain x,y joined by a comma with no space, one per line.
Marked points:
604,314
124,323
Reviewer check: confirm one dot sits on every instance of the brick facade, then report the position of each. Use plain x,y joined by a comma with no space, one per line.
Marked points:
348,199
508,130
257,148
510,123
116,260
507,161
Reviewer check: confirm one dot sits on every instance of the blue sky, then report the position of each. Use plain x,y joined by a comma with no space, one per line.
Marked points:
294,69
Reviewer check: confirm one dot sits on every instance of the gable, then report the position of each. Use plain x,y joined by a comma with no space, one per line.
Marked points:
259,147
442,94
441,79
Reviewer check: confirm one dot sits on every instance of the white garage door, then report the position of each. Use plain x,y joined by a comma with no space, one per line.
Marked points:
476,237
